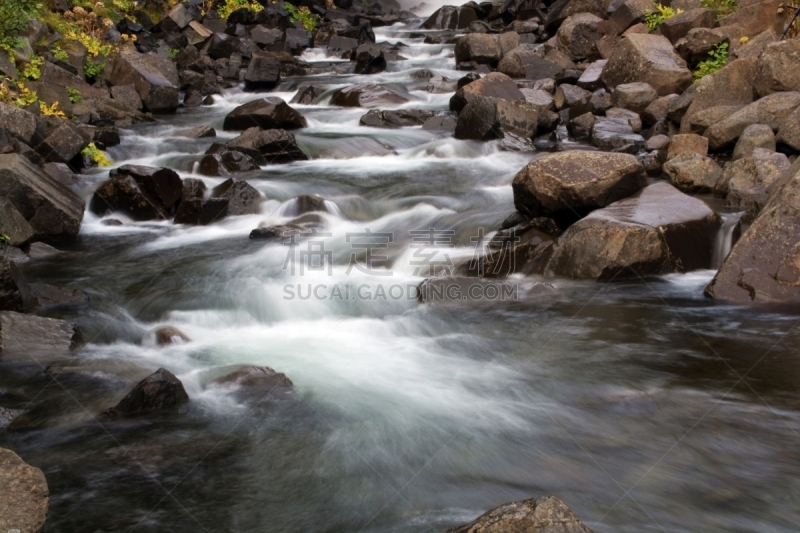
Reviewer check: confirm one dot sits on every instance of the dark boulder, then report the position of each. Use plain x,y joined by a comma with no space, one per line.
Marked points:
568,185
307,95
155,78
162,185
615,134
395,119
263,74
242,198
124,194
267,113
481,48
367,95
157,392
370,59
275,146
451,18
220,161
494,85
18,122
655,231
537,515
303,226
491,118
14,290
13,225
52,210
200,132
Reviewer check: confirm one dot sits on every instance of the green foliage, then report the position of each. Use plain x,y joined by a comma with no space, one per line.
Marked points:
302,14
95,154
722,7
232,5
654,19
5,239
14,18
74,95
32,70
61,55
718,58
173,52
92,70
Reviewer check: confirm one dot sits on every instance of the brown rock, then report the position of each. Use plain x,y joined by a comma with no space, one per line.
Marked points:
478,47
166,335
23,507
367,95
647,58
157,392
269,112
771,110
493,85
777,68
789,133
687,142
692,172
537,515
678,26
732,85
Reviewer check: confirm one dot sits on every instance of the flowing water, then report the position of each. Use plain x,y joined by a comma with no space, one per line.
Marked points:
642,404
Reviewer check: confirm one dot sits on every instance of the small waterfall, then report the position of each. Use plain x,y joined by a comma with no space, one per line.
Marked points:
724,239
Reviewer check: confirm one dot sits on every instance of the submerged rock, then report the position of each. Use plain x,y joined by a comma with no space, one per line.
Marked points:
395,119
537,515
367,95
23,507
261,377
655,231
36,339
159,391
166,335
275,146
568,185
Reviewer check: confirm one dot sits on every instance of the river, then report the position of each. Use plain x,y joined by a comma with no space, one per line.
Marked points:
641,404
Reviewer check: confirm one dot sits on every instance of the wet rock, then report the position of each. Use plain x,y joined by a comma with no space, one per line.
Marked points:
494,85
116,369
142,193
254,377
190,210
580,128
440,123
370,59
46,297
687,142
761,267
395,119
18,122
242,198
440,85
590,78
14,290
537,515
566,186
166,335
578,35
7,417
200,132
276,146
367,95
488,118
754,136
263,74
23,507
62,144
748,182
13,224
451,18
776,69
30,338
307,203
616,134
221,161
634,120
307,95
157,392
634,96
162,185
267,113
655,231
561,9
693,172
304,226
650,59
525,61
481,48
52,210
677,27
263,36
127,95
771,110
155,78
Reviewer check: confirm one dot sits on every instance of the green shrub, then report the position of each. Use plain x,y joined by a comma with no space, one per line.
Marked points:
61,55
722,7
14,18
232,5
92,70
654,19
95,154
302,14
32,70
74,95
718,58
5,239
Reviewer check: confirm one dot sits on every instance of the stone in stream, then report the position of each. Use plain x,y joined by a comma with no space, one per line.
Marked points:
157,392
35,339
748,182
15,293
304,226
762,266
771,110
568,185
268,113
220,161
200,132
275,146
166,335
370,59
367,95
307,95
262,378
650,59
395,119
161,184
241,197
440,85
307,203
23,507
616,134
693,173
655,231
538,515
142,193
494,85
53,212
263,74
485,119
155,78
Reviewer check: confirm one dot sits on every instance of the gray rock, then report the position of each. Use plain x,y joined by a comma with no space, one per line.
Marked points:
771,110
155,78
693,172
578,35
35,339
200,132
615,134
267,113
650,59
157,392
754,136
20,123
395,119
276,146
634,120
776,70
634,96
748,182
367,95
263,74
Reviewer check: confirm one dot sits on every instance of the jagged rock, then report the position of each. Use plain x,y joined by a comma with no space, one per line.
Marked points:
634,96
267,113
275,146
242,198
565,186
13,224
754,18
677,27
655,231
537,515
395,119
572,97
342,44
692,172
578,35
591,77
561,9
190,210
650,59
155,78
754,136
481,48
62,144
222,46
761,265
771,110
490,118
494,85
263,74
14,290
23,507
127,95
157,392
687,142
440,123
634,120
657,110
730,86
52,210
124,194
263,36
755,46
370,59
451,18
615,134
162,186
367,95
580,128
776,69
789,132
304,226
200,132
440,85
35,339
18,122
307,95
526,61
748,182
630,12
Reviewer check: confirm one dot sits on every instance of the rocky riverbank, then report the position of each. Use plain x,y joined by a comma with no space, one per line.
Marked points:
641,135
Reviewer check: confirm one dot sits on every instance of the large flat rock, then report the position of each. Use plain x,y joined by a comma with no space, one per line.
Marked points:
35,339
